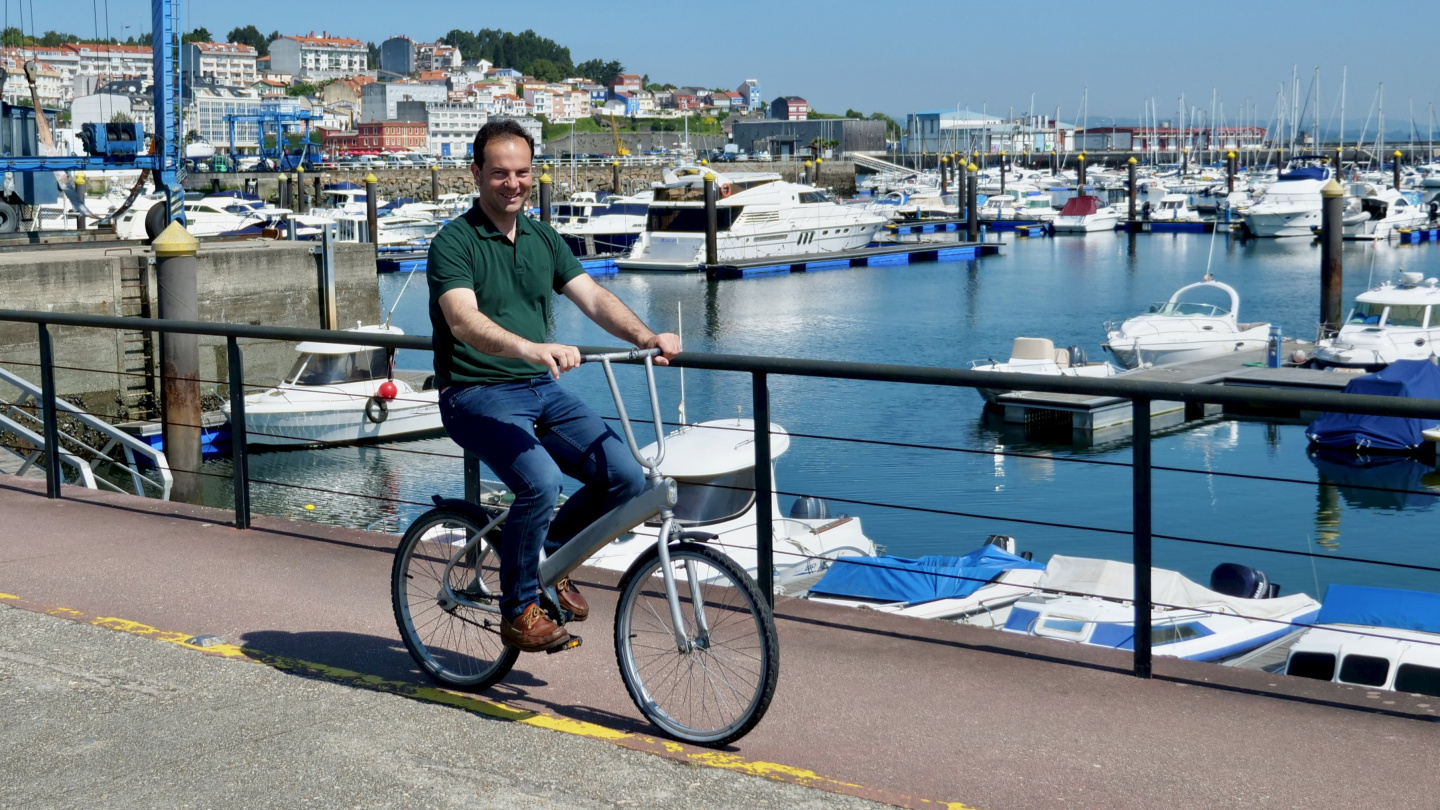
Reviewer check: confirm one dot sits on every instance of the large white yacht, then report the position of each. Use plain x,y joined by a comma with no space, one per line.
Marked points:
1377,212
592,226
1391,322
759,215
1291,205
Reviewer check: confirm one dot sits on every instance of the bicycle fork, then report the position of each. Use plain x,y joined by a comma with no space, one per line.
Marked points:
672,593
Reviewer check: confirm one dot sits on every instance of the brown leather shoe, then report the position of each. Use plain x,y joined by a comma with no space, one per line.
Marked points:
533,631
571,600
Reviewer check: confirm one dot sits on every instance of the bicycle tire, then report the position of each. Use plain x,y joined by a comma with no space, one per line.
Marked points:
459,645
741,645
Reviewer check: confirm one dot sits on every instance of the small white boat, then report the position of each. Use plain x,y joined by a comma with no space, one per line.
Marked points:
593,227
1378,212
1377,638
714,465
1086,214
1291,205
1391,322
1090,601
977,588
1178,331
336,394
1039,356
1174,208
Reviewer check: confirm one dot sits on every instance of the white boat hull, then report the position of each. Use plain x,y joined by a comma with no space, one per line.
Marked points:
1087,224
683,251
1280,224
342,426
1129,355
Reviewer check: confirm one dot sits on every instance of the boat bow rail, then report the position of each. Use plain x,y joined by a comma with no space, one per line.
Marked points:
1140,393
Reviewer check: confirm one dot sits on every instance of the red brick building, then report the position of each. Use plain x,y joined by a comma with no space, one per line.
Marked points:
380,136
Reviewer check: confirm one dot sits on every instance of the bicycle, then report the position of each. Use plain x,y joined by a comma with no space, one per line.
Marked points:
695,640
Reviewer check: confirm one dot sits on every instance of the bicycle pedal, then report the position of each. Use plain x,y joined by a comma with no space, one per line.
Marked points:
569,644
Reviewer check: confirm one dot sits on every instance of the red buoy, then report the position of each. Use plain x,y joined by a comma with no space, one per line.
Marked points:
388,390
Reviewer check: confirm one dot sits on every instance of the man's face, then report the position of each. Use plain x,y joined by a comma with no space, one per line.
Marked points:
504,177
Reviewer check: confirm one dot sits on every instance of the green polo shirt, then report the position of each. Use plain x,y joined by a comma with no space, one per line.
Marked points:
513,284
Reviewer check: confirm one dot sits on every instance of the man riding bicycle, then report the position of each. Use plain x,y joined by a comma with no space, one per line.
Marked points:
491,274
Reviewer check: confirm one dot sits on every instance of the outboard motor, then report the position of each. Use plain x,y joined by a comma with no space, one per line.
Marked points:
1233,579
810,508
1077,356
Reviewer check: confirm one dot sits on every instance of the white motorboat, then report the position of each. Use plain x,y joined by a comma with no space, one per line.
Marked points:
1086,214
395,229
1090,601
999,207
1291,205
337,393
346,197
714,465
1376,638
1378,212
1391,322
202,218
1039,356
759,215
977,588
1174,208
593,227
1178,331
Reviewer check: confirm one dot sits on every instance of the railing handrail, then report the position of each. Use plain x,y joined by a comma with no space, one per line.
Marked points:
1120,389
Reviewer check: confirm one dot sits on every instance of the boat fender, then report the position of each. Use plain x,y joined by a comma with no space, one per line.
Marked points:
1233,579
724,189
376,410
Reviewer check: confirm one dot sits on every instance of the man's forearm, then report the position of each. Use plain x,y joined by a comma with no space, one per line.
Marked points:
614,317
476,329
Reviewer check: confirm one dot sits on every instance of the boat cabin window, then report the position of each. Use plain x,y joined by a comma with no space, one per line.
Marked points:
1415,678
1061,627
690,220
1187,309
714,500
1320,666
1364,670
332,369
1174,633
1406,315
812,197
1366,313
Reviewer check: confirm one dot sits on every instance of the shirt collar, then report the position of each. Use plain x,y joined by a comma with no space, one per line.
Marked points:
487,230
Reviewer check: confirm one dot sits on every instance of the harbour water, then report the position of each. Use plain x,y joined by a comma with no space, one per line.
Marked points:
948,314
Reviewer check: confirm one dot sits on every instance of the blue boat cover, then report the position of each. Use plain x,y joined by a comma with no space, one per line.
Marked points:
900,579
1381,607
1306,173
1416,379
1378,481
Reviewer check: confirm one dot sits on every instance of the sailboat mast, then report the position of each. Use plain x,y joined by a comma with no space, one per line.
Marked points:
1344,71
1315,138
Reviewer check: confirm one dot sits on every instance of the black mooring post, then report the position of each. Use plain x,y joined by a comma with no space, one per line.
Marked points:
764,514
1140,473
51,426
239,456
472,477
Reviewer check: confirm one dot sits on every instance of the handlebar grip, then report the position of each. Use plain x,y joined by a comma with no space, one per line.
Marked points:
633,354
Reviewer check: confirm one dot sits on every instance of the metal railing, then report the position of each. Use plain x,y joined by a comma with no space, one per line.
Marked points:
1140,393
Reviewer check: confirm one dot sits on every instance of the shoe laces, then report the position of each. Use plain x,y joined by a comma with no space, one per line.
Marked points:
564,585
532,613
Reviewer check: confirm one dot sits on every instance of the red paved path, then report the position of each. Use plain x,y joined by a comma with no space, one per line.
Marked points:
905,709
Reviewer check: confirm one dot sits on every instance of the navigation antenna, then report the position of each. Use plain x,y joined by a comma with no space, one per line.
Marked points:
397,299
680,332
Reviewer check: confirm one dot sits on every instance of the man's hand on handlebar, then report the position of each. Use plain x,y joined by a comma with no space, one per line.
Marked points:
555,356
669,345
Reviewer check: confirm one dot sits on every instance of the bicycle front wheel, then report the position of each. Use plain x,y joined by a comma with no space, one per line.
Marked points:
715,685
452,632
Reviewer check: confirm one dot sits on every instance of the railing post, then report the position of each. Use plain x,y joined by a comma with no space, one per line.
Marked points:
1140,473
471,465
51,427
764,514
239,455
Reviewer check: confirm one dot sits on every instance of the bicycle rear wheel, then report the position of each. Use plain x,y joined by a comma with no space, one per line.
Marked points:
718,687
456,641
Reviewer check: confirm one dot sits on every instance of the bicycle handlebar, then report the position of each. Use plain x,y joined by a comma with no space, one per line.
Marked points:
651,464
619,357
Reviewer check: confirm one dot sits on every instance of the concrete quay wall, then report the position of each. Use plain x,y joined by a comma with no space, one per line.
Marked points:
110,372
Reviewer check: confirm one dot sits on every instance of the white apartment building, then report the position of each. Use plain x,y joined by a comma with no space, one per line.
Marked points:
453,127
436,56
322,57
230,64
49,84
378,99
114,61
63,61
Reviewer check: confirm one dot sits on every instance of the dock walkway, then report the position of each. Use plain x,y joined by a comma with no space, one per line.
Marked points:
900,710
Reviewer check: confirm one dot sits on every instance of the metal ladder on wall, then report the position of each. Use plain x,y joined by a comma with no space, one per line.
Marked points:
137,348
21,418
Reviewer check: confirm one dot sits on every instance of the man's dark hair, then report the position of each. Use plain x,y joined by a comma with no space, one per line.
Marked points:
498,128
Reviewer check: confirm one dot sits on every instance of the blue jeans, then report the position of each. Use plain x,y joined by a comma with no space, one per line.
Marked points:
529,433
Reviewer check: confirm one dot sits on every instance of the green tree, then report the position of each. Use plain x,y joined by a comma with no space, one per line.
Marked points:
546,71
121,118
52,38
302,89
373,54
250,35
600,71
13,38
201,34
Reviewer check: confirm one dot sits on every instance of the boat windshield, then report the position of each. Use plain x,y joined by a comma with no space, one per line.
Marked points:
1185,309
689,220
333,369
1406,315
1366,313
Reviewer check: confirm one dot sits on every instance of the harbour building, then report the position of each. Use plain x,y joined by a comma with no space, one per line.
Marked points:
231,64
322,57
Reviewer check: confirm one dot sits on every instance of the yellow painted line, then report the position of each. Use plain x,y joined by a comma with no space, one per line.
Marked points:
499,711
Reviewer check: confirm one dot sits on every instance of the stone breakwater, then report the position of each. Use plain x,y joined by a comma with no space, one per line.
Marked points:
838,175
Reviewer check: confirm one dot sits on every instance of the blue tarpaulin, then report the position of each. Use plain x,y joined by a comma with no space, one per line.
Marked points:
1416,379
1381,607
900,579
1378,481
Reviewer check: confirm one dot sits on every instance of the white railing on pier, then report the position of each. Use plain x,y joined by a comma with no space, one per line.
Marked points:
17,419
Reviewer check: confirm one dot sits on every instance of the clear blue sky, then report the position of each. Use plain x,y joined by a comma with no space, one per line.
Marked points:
917,55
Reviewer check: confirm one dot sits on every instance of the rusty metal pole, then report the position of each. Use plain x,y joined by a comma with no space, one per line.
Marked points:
372,224
1080,172
1398,154
1002,173
434,184
816,181
175,272
712,223
545,192
1332,231
961,172
1230,171
299,189
615,176
944,176
1130,182
972,219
